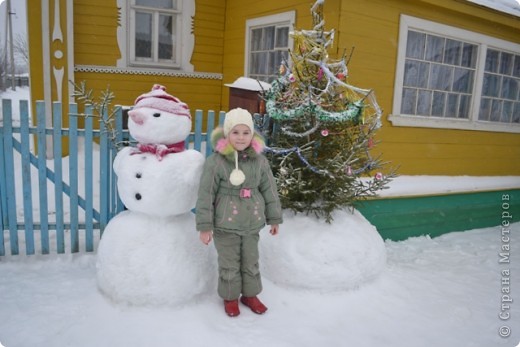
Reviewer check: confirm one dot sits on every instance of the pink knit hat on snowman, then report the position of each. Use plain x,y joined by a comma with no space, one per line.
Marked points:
160,100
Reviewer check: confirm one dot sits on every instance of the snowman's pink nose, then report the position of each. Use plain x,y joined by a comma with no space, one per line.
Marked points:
137,117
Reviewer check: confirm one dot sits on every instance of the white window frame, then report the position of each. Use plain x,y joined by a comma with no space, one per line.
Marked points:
284,18
483,42
184,45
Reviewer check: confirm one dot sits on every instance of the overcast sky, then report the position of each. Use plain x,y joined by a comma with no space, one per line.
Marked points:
19,25
19,18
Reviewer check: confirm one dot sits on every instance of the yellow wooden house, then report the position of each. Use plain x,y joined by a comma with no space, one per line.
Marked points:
445,72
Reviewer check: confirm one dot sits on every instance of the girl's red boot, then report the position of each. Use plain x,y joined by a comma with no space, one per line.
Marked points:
231,308
254,304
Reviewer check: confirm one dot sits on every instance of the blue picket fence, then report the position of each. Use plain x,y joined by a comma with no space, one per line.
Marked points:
49,208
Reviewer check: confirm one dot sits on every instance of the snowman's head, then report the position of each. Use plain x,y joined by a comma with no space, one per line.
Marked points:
159,118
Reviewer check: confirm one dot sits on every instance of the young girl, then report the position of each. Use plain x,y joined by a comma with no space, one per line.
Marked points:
237,197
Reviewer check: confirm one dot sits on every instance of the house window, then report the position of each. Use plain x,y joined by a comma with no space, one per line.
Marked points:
452,78
159,32
438,77
267,45
500,100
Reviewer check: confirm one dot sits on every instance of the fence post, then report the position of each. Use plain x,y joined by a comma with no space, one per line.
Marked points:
118,128
89,179
26,177
221,117
73,177
42,175
8,184
58,174
104,165
197,137
119,140
3,200
209,128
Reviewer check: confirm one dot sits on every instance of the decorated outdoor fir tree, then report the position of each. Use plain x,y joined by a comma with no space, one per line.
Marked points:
322,129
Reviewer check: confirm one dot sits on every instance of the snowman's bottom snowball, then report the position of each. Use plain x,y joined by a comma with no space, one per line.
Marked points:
308,253
145,260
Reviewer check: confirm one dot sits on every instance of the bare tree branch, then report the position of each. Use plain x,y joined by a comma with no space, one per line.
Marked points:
21,47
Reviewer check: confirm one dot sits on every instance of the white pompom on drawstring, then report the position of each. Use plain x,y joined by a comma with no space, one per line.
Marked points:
237,176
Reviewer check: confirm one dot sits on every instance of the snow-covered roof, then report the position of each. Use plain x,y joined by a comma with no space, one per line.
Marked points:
506,6
249,84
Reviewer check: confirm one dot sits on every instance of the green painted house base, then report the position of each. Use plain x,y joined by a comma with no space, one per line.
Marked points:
399,218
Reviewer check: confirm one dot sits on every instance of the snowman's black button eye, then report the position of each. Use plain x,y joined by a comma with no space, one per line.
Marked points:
138,175
138,196
156,115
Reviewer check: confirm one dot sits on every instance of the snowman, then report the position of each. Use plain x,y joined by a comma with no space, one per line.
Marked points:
150,253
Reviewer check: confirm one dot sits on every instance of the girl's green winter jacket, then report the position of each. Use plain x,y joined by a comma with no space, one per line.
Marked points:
240,209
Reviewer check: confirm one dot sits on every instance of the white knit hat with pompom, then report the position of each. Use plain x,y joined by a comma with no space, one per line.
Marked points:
238,116
235,117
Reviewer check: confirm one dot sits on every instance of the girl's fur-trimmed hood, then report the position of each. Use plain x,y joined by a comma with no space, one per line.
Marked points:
222,145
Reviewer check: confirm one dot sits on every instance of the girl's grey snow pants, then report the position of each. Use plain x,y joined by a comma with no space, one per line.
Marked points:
238,268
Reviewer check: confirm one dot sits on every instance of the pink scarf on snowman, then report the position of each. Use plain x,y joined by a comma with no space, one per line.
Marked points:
159,150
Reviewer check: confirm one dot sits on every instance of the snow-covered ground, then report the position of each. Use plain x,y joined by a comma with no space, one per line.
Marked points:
448,291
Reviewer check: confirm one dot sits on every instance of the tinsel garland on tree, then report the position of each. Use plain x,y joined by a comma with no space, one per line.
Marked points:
320,129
